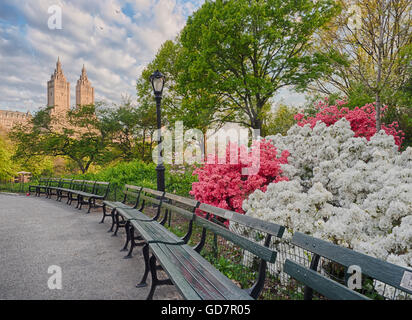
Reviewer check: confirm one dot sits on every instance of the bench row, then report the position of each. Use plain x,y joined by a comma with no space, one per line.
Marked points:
143,214
140,213
84,192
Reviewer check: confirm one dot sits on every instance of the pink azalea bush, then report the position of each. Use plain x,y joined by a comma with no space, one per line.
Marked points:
224,184
362,120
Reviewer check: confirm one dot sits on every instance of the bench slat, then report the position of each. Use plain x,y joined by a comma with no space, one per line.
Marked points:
255,248
325,286
378,269
180,199
257,224
187,214
224,285
193,272
152,231
171,269
197,276
150,199
154,192
133,214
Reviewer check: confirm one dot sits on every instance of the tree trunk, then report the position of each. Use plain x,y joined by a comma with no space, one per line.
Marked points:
378,112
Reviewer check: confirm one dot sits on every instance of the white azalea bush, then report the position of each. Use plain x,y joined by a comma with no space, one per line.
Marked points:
344,189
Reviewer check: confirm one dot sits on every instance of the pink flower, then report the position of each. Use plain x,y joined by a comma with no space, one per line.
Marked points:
362,120
224,185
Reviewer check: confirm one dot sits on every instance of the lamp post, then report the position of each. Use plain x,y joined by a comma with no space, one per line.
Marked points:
158,80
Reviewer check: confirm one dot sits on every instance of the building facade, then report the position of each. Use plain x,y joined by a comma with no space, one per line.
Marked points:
10,118
58,91
58,97
84,90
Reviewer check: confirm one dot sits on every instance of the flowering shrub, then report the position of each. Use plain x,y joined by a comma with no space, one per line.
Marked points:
362,120
349,190
223,183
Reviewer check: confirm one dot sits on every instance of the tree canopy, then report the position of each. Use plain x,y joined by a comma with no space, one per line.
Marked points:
242,52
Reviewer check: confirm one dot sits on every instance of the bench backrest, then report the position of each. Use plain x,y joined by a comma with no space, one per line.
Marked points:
256,224
132,195
66,183
261,251
43,181
182,207
325,286
54,182
89,186
377,269
257,249
77,185
101,188
153,197
209,223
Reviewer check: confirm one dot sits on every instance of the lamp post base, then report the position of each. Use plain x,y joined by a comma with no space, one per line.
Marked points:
160,169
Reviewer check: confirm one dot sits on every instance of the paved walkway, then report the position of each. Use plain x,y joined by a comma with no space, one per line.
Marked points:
36,233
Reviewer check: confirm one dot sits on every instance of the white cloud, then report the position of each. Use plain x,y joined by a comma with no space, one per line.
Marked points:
115,39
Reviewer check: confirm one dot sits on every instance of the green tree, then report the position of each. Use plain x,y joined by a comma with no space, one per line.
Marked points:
130,129
241,52
373,40
7,167
280,121
78,136
177,104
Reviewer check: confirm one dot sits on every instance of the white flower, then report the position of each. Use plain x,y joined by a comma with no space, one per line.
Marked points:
348,190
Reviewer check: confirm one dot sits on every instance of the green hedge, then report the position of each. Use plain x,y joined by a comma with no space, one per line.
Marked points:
177,180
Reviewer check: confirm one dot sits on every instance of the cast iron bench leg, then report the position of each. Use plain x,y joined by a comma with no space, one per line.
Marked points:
142,282
132,244
117,225
104,213
127,228
113,219
90,204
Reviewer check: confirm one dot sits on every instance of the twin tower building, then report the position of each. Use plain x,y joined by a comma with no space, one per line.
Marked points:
58,90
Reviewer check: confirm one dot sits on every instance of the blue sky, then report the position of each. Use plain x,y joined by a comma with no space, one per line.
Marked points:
115,39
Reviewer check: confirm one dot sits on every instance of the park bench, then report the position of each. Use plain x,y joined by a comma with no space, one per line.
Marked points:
40,188
50,190
90,192
195,277
130,200
202,281
151,204
64,184
370,268
77,185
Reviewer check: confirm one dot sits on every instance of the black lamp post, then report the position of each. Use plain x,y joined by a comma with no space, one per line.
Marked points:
158,80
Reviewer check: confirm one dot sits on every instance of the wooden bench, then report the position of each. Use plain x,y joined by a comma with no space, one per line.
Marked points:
64,184
196,278
373,268
146,199
130,200
40,188
175,255
77,185
50,189
92,191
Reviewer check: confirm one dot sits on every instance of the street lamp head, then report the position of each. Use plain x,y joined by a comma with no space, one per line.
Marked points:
158,80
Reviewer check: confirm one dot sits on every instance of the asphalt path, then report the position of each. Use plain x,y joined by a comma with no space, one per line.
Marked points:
41,239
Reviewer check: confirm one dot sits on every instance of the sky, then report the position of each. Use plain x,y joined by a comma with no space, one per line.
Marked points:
114,39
